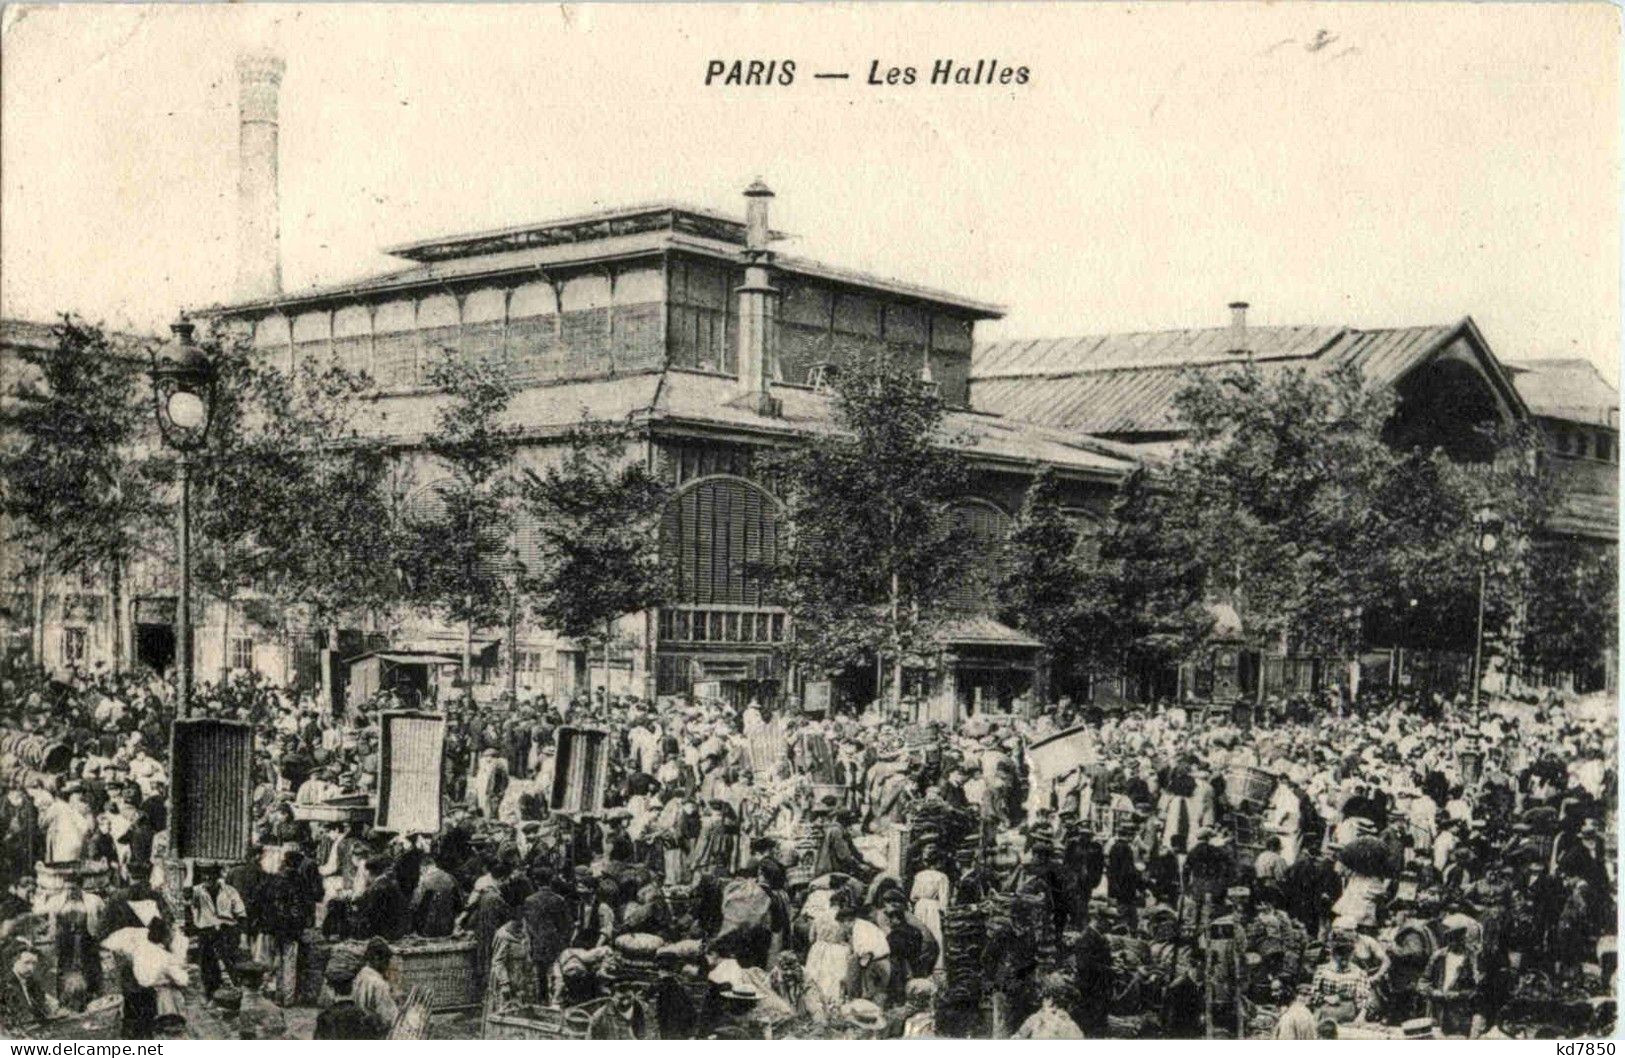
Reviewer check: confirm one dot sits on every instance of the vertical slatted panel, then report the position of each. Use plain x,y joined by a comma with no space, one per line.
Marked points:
409,771
705,542
712,535
988,527
211,789
583,770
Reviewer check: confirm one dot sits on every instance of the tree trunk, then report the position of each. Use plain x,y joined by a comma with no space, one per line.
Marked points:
468,656
225,637
116,586
513,649
897,649
37,619
609,633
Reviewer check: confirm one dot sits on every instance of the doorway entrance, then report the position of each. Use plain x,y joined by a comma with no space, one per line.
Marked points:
155,646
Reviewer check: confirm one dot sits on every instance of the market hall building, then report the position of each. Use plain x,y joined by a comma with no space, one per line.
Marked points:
686,324
1451,390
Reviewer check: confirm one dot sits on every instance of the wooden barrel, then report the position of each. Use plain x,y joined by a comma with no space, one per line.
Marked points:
36,751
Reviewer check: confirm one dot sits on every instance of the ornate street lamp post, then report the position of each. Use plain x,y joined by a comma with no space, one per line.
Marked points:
1488,528
183,380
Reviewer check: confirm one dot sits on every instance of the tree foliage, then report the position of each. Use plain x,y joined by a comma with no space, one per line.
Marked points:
79,477
596,512
1053,587
1288,503
291,500
1573,606
457,553
875,553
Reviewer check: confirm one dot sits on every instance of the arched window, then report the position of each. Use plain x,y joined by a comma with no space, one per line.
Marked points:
713,535
988,527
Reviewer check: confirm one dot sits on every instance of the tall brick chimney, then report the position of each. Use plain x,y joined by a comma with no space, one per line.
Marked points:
758,309
259,265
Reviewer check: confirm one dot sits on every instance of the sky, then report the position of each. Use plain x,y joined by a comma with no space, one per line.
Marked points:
1343,164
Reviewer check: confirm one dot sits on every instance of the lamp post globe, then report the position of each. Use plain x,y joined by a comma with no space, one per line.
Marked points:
183,396
183,388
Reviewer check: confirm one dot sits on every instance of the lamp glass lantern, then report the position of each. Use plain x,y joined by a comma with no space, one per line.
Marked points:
1489,528
183,380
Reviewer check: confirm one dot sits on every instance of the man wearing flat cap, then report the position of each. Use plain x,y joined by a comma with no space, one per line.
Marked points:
343,1019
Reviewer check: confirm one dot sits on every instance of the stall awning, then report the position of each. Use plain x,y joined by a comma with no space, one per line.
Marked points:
407,657
984,631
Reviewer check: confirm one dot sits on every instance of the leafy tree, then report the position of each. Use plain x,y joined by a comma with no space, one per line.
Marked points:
1050,585
1278,494
875,553
1290,503
597,512
1430,567
1573,606
457,553
78,474
1151,578
291,501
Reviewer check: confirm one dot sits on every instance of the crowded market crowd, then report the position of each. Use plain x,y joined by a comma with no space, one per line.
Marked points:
1378,868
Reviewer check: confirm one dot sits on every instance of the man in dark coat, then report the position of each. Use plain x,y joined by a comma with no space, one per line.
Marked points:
436,902
489,914
1085,864
156,808
549,919
20,836
1091,955
139,837
381,910
1310,887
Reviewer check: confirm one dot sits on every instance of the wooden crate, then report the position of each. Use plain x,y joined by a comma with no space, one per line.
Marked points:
444,969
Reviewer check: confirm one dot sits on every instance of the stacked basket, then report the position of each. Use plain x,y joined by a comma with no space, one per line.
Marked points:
964,941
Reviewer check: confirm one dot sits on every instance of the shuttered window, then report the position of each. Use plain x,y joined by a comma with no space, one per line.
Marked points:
712,537
988,526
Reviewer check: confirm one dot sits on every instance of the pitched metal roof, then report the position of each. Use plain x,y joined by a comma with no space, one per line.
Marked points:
690,396
703,400
1569,389
1127,383
501,258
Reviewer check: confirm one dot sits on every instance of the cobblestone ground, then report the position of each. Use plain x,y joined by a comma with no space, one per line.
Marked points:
204,1024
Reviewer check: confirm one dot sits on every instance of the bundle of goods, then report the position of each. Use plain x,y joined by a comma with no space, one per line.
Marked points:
1368,856
1020,942
92,875
923,744
964,942
634,958
443,967
809,837
1249,787
943,828
314,953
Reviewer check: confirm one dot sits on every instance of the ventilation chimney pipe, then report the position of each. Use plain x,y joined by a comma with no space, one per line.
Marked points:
259,266
1238,328
758,309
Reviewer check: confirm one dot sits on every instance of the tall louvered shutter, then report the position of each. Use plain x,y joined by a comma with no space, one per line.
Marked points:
712,534
988,527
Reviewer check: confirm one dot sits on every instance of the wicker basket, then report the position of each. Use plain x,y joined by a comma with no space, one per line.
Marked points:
540,1023
444,969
